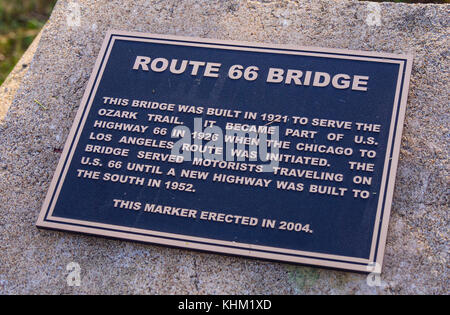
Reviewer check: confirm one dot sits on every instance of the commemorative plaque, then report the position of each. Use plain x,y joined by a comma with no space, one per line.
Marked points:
277,152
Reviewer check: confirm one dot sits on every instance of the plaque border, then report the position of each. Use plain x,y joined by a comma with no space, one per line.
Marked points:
372,264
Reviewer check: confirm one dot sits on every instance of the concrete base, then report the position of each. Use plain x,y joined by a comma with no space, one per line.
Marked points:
34,261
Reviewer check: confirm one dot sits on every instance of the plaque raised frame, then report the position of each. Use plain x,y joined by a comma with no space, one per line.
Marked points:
231,243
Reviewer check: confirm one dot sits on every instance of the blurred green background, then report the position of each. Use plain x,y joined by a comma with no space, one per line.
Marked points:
21,21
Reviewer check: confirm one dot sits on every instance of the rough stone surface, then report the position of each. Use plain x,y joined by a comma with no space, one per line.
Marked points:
34,261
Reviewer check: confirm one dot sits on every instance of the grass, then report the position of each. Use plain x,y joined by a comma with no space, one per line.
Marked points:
21,21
